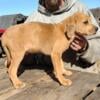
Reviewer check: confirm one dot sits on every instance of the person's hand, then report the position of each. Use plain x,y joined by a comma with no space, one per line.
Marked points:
79,44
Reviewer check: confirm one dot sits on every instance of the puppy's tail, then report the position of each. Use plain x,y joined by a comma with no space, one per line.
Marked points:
6,50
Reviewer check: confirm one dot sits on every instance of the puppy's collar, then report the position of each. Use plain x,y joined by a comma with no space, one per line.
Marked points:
67,36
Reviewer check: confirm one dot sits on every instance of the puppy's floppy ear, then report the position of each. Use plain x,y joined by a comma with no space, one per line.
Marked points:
70,32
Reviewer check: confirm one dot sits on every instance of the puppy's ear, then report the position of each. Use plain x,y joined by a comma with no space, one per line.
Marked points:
70,32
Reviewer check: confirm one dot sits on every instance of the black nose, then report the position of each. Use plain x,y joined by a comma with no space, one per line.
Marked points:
96,29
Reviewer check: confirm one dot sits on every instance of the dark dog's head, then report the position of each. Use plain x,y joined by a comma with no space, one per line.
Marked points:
80,23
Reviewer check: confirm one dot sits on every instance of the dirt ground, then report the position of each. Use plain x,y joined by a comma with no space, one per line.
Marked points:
41,85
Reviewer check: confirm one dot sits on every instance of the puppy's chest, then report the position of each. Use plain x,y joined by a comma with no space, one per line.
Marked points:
60,44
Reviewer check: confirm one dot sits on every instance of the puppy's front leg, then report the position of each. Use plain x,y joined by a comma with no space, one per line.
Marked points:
57,63
65,72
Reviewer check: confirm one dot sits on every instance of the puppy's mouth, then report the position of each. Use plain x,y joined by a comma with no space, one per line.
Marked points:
81,34
84,34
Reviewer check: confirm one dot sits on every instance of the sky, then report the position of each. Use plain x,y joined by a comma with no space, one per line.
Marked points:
26,7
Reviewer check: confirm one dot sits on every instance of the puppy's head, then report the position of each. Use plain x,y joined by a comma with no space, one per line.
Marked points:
81,23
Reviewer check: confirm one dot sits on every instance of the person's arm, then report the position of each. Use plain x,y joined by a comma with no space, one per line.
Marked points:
29,18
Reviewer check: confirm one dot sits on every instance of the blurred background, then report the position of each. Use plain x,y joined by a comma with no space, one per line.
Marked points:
26,7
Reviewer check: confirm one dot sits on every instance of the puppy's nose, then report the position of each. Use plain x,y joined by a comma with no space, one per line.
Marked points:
96,29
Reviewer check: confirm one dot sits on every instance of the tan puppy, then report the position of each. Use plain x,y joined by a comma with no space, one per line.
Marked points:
50,39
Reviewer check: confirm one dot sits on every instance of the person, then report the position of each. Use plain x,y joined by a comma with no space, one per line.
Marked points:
54,11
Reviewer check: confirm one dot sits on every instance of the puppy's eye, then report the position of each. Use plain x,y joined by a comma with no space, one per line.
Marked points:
85,22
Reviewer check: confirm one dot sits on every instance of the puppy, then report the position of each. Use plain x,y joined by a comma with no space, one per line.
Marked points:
50,39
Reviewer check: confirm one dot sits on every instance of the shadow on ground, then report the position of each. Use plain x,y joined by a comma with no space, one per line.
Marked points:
43,62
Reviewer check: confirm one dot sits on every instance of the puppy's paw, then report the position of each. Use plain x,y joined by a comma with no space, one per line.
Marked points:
67,73
19,85
63,81
66,82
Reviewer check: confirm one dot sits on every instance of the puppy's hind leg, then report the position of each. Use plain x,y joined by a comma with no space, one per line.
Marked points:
13,68
6,50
